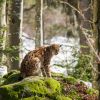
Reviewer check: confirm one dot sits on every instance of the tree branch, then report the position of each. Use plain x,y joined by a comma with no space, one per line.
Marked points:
28,9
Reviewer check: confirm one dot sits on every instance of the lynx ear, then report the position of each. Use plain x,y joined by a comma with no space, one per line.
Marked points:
60,45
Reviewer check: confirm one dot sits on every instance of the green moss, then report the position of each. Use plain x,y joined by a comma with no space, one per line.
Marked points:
27,88
57,97
53,84
91,91
12,78
57,75
36,98
7,93
61,97
10,73
71,80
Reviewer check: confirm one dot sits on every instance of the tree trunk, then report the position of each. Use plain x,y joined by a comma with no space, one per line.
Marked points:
14,33
98,40
83,4
3,30
39,23
97,33
21,31
37,18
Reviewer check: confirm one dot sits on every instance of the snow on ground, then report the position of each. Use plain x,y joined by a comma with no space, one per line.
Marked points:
3,70
88,84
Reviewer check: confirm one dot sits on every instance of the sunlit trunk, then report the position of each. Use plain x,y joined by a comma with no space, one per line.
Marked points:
3,30
21,32
39,23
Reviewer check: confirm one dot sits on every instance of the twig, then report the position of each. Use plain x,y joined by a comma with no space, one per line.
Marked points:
76,10
94,68
93,49
30,8
28,37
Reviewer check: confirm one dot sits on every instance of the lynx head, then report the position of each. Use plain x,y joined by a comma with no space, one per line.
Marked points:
55,48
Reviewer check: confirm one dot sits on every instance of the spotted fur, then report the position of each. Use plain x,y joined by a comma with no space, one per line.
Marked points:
38,61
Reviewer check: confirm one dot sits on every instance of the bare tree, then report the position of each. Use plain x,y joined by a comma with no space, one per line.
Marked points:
96,27
3,28
39,23
14,33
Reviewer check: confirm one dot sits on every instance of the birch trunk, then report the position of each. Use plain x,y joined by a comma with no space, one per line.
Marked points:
21,31
3,30
41,23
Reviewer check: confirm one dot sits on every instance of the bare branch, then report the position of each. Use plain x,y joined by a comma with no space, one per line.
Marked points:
91,46
77,11
28,37
28,9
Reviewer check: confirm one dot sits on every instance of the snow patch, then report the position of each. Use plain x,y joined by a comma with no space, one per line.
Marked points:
3,70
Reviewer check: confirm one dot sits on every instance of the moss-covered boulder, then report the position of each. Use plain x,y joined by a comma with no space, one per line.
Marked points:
57,97
40,88
36,98
11,77
62,97
11,73
32,86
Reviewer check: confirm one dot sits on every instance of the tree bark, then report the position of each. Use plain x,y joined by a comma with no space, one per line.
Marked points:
98,39
37,18
39,23
3,33
83,4
96,29
14,33
21,31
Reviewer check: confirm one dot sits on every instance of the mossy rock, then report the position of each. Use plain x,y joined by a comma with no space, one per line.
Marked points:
70,80
36,98
12,77
40,88
61,97
10,73
57,97
32,86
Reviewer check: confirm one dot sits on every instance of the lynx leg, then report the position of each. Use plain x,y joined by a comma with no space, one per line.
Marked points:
23,75
43,72
47,70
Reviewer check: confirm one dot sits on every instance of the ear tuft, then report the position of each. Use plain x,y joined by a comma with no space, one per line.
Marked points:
60,45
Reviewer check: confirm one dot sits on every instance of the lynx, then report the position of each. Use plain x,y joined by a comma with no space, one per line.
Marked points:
38,61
